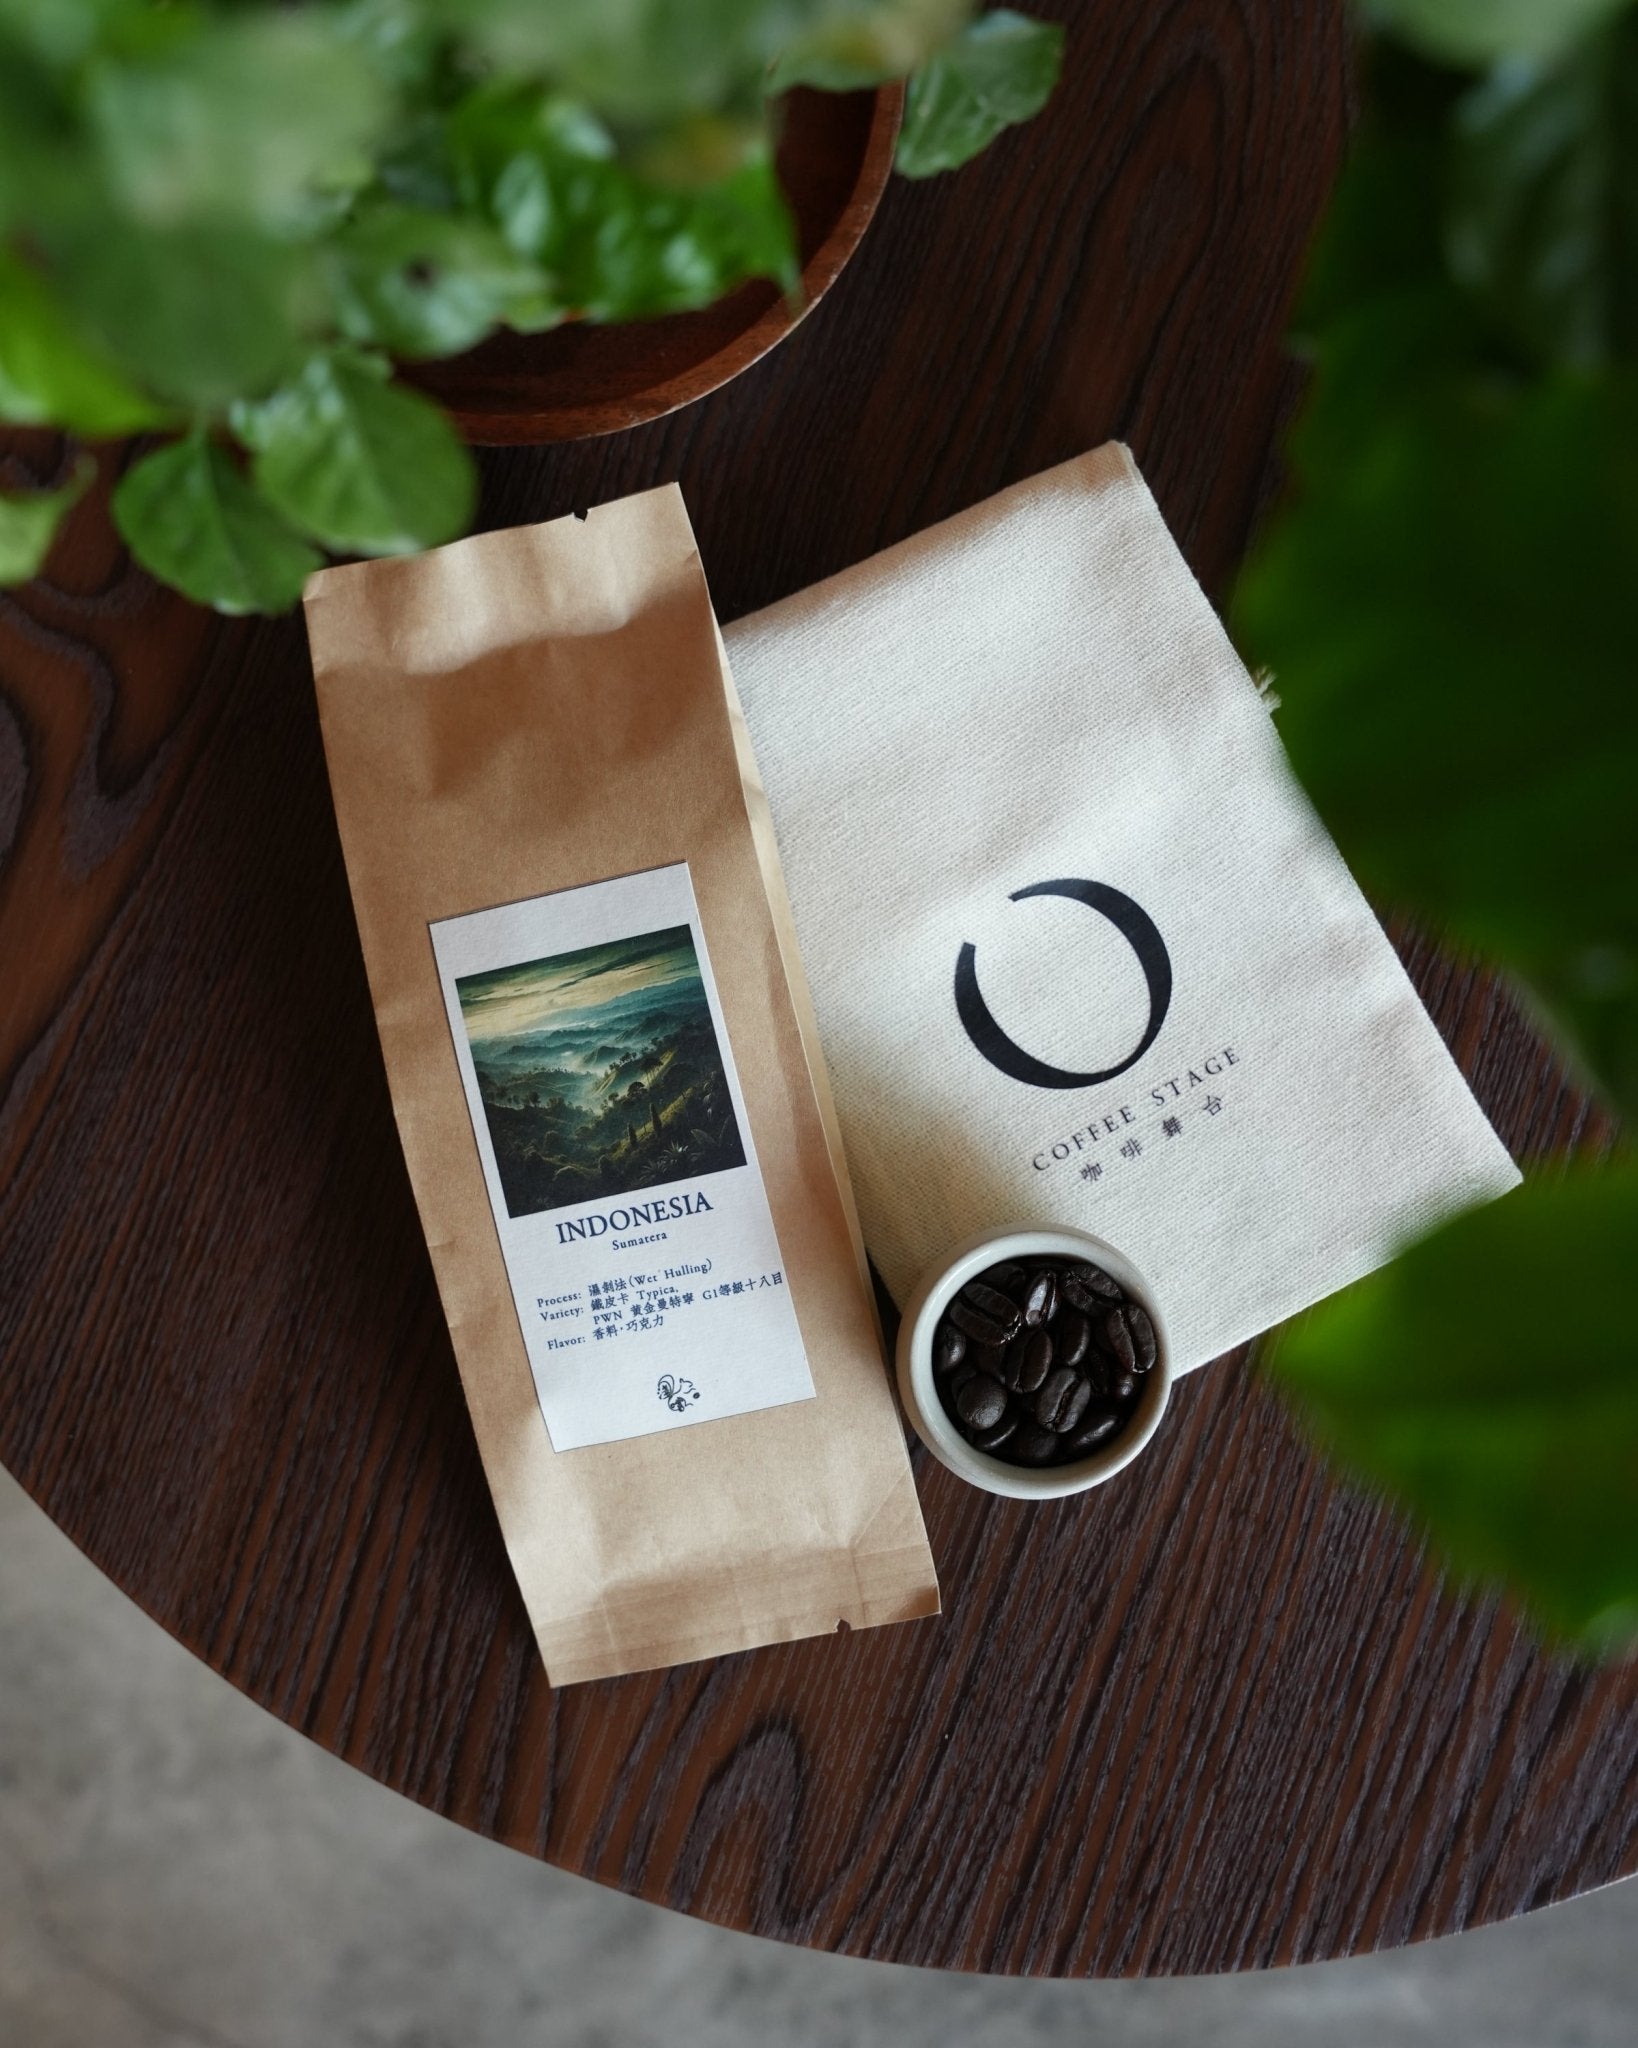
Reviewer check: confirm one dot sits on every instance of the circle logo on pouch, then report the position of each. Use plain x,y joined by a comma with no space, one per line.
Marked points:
1140,932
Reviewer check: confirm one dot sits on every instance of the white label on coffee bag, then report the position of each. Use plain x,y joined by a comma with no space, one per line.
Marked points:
617,1153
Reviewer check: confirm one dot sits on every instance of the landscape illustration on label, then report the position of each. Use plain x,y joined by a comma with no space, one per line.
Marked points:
600,1072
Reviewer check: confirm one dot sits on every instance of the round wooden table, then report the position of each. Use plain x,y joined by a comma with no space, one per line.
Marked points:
1212,1716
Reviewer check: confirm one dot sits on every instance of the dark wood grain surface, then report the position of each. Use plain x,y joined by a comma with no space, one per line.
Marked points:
1214,1715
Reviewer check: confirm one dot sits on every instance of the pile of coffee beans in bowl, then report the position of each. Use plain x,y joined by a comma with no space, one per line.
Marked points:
1042,1362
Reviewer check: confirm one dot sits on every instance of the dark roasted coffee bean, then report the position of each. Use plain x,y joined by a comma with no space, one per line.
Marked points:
1079,1402
992,1362
1144,1341
1123,1387
1071,1336
949,1347
1029,1444
1003,1278
1040,1298
973,1322
1062,1400
999,1307
1097,1426
993,1439
982,1402
1117,1337
1089,1286
1035,1361
957,1378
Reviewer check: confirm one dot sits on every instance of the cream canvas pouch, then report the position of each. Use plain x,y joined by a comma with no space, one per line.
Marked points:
1080,948
613,1115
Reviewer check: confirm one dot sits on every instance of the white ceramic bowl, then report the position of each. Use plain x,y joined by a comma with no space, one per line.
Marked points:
1022,1242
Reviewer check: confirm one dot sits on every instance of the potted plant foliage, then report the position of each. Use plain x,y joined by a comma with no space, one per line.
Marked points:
226,225
1443,600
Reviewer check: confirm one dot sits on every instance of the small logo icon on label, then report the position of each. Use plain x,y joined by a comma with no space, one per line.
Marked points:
675,1393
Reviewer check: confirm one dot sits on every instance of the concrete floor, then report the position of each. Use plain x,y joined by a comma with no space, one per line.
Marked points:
177,1870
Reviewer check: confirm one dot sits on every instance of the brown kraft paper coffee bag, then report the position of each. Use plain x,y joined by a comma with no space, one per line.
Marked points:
613,1109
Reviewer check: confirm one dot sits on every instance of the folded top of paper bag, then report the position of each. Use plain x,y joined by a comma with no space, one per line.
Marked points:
1081,950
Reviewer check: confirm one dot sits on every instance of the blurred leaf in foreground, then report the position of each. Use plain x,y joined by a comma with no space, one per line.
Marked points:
63,31
1448,615
1487,1382
50,375
650,61
998,71
1444,603
1478,31
233,116
637,60
845,44
1543,205
201,315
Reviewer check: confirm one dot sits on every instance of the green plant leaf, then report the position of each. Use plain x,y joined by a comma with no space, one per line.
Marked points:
192,519
415,169
362,464
1379,315
1486,1382
846,47
42,166
29,521
1543,207
49,375
402,40
1445,609
1381,235
700,149
644,61
63,32
238,117
999,71
633,250
1481,31
422,283
615,246
201,315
